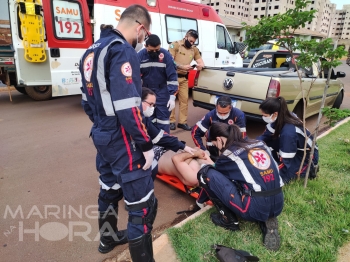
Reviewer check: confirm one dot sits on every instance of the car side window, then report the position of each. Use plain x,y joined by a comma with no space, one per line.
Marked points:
177,27
223,39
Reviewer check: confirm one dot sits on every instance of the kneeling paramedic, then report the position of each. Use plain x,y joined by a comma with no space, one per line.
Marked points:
112,99
244,181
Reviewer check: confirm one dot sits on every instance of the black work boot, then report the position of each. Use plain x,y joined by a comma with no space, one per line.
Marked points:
271,237
225,218
110,237
141,249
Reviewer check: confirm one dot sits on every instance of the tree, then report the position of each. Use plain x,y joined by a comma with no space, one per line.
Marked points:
320,55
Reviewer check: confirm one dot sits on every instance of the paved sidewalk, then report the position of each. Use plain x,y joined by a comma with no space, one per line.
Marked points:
162,248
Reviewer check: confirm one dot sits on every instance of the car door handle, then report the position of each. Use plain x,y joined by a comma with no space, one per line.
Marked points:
216,54
230,74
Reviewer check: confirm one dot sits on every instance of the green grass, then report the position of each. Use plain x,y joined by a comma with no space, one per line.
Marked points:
314,224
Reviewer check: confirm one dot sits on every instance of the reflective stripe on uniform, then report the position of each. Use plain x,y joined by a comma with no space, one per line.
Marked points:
84,96
172,83
243,129
116,186
199,124
286,155
152,64
127,103
105,95
244,170
309,140
158,137
210,144
269,149
164,122
268,126
144,199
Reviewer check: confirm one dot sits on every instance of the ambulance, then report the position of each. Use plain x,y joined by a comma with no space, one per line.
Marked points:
48,38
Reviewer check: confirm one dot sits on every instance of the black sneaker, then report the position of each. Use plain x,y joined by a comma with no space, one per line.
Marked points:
107,243
184,127
271,237
220,221
172,126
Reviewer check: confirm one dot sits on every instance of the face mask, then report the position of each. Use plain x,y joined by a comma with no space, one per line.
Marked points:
268,119
149,111
136,45
153,55
188,44
223,117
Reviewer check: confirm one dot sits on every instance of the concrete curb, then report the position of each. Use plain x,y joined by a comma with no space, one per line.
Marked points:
162,247
334,127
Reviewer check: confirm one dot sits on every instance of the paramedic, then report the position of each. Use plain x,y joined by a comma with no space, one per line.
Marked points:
112,88
244,181
184,52
158,73
285,135
224,112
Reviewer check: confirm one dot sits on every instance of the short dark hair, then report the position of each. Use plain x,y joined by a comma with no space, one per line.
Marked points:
137,12
153,40
145,92
224,101
192,33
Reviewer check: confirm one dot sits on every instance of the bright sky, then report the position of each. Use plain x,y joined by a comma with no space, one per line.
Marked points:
340,3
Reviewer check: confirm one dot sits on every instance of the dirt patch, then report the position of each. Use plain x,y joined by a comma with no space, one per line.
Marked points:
344,253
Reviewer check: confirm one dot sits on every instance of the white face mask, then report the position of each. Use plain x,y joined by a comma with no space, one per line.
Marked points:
149,111
268,119
224,116
139,46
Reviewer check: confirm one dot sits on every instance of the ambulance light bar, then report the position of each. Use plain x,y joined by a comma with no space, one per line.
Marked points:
152,2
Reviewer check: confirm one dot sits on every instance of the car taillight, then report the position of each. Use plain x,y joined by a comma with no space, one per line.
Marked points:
196,78
274,89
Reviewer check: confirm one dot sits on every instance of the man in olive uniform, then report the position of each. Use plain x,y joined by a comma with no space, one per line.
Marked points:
184,52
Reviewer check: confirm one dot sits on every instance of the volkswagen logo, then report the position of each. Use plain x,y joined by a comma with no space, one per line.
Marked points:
228,83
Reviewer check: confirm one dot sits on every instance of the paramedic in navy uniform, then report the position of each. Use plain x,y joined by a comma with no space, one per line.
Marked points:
112,98
244,181
224,112
158,73
285,135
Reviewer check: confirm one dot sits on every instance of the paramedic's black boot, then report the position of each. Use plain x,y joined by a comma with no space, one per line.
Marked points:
271,237
110,237
141,249
225,218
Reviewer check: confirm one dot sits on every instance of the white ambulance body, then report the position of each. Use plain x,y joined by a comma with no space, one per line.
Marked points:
46,61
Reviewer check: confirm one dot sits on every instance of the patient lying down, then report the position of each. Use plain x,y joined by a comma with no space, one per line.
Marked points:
183,165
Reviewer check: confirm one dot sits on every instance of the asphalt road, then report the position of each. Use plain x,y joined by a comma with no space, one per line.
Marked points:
49,184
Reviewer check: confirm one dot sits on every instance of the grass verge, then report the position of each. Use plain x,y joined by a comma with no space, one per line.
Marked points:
314,224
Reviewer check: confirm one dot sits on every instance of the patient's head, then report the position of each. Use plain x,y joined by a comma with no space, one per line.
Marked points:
148,101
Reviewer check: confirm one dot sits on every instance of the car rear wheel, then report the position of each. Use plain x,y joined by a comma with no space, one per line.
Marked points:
299,109
338,101
39,93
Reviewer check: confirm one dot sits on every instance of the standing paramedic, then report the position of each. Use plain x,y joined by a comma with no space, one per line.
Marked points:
158,73
184,52
112,98
224,112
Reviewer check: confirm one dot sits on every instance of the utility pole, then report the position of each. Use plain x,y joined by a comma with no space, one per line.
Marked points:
266,8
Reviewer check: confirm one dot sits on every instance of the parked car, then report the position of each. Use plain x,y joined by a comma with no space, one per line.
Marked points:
269,74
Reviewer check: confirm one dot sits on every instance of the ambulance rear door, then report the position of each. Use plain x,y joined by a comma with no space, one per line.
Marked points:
68,33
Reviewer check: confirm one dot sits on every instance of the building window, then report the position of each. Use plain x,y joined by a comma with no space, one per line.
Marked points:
257,1
263,8
261,16
217,3
256,9
255,16
239,13
276,7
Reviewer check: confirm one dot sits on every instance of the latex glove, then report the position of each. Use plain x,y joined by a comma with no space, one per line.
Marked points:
149,155
189,150
171,103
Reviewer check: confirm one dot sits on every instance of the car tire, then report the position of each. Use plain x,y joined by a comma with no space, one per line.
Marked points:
338,101
299,109
39,93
